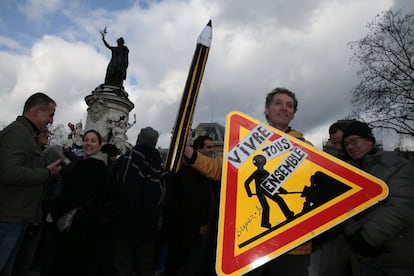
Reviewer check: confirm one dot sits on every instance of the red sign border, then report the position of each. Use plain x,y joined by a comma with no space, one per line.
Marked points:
230,263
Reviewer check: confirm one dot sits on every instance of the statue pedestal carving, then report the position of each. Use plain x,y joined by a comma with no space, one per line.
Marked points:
108,113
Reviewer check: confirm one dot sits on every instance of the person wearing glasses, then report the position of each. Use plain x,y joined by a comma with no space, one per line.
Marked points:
382,237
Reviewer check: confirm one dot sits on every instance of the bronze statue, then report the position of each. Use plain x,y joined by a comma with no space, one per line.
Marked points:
117,67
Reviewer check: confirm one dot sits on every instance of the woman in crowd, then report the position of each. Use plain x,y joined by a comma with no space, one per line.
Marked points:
84,189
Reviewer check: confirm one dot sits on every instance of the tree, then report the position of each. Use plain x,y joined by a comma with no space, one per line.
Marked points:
385,92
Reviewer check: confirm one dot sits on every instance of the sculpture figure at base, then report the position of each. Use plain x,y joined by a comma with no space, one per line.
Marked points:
117,129
75,136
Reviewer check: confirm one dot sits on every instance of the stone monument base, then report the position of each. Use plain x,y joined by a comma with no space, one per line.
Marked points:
108,113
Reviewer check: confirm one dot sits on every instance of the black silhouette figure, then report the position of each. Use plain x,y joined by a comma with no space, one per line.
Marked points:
259,176
117,68
322,189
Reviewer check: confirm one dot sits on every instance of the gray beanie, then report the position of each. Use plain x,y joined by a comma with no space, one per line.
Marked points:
148,136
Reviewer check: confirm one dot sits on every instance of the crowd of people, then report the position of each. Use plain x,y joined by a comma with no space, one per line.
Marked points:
122,214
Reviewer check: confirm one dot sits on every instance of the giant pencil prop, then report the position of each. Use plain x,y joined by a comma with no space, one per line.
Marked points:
188,100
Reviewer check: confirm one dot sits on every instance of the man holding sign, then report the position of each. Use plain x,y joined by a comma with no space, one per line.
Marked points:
280,108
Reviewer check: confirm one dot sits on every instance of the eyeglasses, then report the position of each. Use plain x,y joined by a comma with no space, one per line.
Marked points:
209,147
352,142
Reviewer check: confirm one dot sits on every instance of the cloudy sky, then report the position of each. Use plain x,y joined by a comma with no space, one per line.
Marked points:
55,46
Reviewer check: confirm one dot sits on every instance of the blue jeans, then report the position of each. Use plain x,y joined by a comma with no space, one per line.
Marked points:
11,236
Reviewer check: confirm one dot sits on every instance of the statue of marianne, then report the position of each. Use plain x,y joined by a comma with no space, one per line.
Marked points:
117,67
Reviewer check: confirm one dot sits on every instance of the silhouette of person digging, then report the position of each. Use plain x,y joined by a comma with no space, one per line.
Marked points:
259,176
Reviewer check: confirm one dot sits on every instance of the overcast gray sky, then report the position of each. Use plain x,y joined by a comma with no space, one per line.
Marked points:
55,46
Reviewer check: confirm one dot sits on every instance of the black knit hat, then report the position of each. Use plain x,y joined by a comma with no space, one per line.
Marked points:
148,136
359,128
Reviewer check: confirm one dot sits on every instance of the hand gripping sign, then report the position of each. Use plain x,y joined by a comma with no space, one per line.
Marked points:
279,192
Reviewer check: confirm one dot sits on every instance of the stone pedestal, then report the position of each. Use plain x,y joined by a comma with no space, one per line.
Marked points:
108,113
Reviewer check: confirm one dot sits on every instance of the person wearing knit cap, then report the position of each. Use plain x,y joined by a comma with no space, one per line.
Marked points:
141,187
148,136
382,237
359,128
355,133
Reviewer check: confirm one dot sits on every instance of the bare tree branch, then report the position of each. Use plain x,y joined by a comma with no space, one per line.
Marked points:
385,92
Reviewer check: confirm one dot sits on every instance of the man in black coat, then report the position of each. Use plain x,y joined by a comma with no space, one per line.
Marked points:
192,223
139,180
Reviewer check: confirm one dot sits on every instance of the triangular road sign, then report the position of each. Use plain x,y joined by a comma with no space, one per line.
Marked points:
279,192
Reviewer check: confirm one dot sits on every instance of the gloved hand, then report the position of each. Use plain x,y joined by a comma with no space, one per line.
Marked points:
361,246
